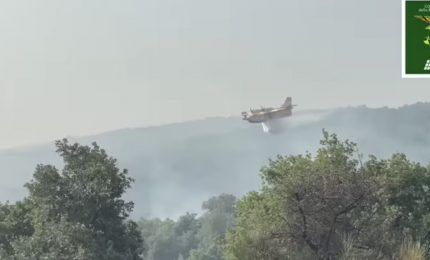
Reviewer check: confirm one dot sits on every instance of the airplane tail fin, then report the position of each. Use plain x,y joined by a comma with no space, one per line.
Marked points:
288,103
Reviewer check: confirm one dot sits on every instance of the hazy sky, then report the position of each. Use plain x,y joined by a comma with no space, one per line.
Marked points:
78,67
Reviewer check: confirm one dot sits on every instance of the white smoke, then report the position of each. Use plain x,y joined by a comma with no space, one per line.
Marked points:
280,125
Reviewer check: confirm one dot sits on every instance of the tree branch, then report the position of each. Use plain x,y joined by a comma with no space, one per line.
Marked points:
305,226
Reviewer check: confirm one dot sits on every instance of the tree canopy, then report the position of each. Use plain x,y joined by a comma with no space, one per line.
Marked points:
332,204
75,213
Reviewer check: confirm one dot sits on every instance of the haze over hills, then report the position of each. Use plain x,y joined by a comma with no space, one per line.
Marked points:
178,166
120,61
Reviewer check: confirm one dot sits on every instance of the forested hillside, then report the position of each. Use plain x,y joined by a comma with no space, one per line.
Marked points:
178,166
333,203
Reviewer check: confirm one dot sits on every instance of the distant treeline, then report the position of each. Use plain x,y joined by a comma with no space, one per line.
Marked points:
178,166
191,237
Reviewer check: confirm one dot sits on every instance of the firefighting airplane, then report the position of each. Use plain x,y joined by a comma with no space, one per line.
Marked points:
269,117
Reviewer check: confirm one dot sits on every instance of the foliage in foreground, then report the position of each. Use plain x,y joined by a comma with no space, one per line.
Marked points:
77,213
333,205
329,206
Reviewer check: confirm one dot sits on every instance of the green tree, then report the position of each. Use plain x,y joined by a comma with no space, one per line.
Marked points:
15,222
186,230
406,196
191,237
168,239
218,218
160,239
77,213
307,205
257,218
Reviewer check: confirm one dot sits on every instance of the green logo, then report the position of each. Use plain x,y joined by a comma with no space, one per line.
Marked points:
416,38
425,19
